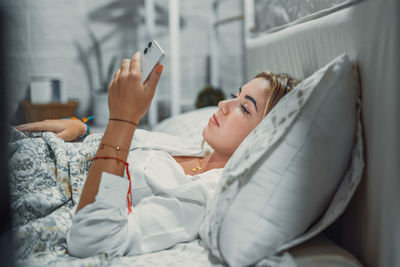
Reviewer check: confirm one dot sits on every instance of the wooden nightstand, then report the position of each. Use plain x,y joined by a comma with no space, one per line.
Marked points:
39,112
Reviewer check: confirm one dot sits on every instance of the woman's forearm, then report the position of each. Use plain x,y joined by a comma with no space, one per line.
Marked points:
128,100
117,134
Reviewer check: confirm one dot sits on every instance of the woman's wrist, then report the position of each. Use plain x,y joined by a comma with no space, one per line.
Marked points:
85,130
133,122
121,124
119,133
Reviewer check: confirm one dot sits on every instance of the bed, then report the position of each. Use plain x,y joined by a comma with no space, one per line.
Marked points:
47,174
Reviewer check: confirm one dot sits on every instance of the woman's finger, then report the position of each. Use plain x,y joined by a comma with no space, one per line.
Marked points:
135,64
33,127
117,74
19,127
155,75
125,66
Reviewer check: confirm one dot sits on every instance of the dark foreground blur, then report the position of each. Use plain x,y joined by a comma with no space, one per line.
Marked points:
6,244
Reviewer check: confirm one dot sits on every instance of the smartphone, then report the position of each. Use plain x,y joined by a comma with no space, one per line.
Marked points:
152,54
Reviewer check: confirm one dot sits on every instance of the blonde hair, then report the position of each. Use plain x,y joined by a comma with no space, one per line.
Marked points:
280,83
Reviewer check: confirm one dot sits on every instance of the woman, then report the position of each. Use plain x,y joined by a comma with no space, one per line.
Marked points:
171,185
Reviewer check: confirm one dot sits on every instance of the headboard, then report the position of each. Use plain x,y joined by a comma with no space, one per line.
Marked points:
369,33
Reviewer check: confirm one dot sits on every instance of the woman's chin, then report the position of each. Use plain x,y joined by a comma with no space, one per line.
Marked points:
206,134
205,130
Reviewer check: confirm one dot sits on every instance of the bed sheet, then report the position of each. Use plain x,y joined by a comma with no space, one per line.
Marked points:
46,178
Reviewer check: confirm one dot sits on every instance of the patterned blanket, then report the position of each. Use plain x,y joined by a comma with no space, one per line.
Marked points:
46,178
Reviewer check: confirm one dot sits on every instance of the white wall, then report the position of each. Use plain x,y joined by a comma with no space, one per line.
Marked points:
43,38
231,63
195,49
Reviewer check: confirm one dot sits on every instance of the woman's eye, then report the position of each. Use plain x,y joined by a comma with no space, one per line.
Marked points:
244,109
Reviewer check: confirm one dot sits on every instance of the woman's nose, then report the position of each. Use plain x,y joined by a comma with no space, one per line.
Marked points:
224,106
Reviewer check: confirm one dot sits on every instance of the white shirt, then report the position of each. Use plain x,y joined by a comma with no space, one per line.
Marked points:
168,204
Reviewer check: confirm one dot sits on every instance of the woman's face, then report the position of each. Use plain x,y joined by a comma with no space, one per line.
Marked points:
237,117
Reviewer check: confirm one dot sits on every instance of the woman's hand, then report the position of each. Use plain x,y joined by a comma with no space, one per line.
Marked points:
68,130
128,98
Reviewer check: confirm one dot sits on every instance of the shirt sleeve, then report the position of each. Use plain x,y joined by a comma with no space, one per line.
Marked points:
102,226
156,222
113,189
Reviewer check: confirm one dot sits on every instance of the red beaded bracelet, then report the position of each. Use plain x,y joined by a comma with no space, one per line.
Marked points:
129,196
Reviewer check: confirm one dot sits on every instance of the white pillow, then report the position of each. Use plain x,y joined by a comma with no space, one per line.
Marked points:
285,173
188,125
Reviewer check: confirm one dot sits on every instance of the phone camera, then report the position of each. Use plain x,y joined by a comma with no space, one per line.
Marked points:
149,45
145,51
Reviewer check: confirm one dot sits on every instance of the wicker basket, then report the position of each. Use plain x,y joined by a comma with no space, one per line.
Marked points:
39,112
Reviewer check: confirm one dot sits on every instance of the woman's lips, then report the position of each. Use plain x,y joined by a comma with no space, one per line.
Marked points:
214,120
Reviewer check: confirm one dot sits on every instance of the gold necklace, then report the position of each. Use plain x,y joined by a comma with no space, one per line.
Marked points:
198,168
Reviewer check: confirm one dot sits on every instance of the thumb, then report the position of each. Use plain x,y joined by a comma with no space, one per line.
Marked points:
65,135
154,79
